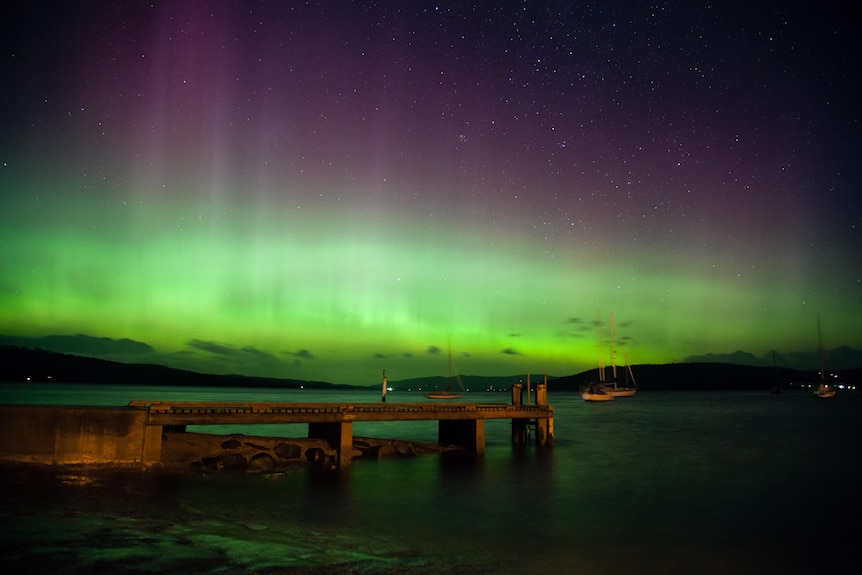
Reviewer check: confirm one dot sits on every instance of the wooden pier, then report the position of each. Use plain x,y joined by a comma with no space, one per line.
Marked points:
461,424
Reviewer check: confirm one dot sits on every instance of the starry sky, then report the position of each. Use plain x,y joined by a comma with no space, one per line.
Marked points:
324,190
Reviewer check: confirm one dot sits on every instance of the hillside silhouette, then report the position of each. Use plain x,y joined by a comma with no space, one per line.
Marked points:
26,364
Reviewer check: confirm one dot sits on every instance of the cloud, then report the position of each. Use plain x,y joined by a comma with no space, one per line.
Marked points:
224,358
575,328
81,344
240,353
212,347
300,354
258,354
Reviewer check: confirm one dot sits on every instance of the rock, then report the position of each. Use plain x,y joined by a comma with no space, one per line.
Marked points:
234,462
384,452
288,450
213,463
261,461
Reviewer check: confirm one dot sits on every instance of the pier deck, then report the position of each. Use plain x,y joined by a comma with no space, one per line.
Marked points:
211,413
459,423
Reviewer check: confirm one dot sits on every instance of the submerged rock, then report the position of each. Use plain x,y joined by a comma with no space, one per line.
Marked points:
209,452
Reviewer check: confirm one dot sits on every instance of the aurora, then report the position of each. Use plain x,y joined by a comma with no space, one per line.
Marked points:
321,194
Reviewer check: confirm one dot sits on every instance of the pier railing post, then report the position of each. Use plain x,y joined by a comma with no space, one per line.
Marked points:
516,394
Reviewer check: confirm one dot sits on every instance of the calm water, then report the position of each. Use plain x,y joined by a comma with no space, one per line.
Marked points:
664,482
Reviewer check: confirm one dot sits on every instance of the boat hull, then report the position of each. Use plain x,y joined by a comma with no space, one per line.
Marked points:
597,392
442,395
623,392
825,391
597,396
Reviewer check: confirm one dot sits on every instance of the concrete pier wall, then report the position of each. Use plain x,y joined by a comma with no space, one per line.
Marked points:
72,435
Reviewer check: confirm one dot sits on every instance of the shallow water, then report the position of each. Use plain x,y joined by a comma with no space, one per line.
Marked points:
664,482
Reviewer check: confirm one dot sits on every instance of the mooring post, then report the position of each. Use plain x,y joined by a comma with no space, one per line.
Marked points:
542,394
519,426
516,394
544,425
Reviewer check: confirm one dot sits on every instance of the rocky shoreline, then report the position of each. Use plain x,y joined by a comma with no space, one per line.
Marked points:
185,451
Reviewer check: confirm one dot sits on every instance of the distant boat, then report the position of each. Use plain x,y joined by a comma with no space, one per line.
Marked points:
447,393
824,390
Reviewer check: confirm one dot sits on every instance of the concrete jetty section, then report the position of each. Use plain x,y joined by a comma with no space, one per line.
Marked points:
57,434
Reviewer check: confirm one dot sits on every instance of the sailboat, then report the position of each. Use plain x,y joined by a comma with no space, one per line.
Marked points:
824,390
447,393
614,388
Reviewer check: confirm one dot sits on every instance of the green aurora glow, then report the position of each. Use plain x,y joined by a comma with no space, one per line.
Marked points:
322,202
313,294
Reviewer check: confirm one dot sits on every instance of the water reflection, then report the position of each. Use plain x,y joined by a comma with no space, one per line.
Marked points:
664,483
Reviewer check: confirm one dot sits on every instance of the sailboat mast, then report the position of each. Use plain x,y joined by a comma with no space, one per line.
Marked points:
629,372
613,348
457,375
601,348
820,351
449,374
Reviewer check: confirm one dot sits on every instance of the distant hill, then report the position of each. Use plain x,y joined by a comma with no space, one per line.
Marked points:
23,364
700,377
676,376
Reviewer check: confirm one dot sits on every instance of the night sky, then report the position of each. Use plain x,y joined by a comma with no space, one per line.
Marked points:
325,190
